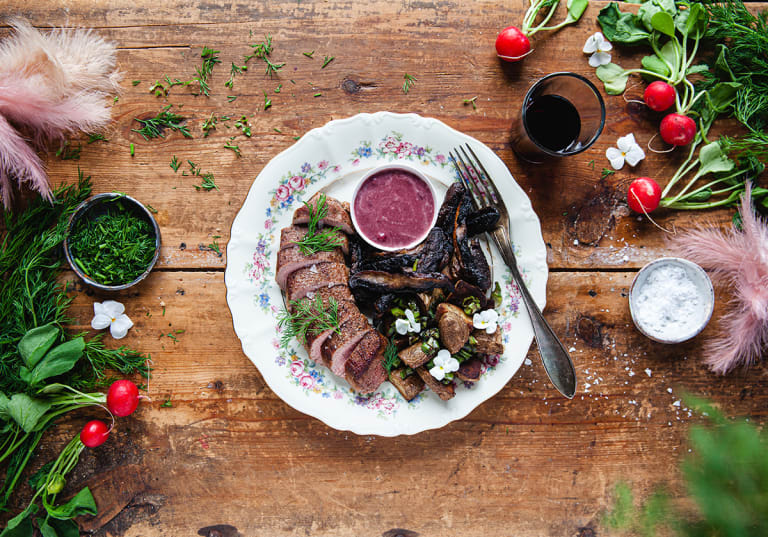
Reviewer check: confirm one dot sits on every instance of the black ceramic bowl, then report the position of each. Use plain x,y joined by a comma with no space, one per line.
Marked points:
94,207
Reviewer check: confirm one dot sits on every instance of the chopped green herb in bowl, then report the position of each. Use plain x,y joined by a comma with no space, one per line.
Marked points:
113,241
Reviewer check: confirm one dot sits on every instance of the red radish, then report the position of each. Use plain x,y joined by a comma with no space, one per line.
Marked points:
677,129
94,433
659,96
122,398
644,195
512,44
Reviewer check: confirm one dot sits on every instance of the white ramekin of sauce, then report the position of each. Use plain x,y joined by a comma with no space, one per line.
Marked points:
671,300
394,206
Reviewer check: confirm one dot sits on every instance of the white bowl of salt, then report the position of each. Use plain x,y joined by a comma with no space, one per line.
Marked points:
671,300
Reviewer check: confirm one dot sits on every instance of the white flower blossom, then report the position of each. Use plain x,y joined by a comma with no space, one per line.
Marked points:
486,320
628,150
598,46
444,364
111,314
409,324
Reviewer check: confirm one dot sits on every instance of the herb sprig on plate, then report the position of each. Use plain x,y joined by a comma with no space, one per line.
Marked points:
308,317
325,240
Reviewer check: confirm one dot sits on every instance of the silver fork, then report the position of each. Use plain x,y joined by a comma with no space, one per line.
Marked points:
483,193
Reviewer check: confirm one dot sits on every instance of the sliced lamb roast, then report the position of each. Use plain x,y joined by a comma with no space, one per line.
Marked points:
337,348
365,365
337,215
309,279
289,260
315,342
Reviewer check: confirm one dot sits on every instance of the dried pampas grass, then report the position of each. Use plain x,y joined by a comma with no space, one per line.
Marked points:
739,259
50,85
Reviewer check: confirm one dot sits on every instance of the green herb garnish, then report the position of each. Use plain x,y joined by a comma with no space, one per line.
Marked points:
153,127
95,137
167,403
69,152
409,82
472,101
262,51
243,125
210,59
327,60
391,359
207,183
606,172
267,101
308,54
231,98
318,241
136,82
209,125
132,149
115,247
235,70
175,164
309,317
234,148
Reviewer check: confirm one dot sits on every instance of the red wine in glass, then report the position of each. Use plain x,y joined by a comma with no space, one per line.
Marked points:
553,122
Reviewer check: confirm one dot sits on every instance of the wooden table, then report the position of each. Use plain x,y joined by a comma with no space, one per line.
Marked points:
229,458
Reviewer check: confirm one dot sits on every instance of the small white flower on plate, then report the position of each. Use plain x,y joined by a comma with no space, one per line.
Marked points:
444,364
111,314
628,150
409,324
598,46
486,320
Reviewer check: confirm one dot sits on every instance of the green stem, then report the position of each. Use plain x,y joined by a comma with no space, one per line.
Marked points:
9,488
684,169
547,18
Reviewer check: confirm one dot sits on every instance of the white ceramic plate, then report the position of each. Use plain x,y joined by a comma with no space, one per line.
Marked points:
333,158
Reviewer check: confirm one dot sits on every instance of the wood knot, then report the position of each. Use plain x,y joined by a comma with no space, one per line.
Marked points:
399,532
350,86
589,331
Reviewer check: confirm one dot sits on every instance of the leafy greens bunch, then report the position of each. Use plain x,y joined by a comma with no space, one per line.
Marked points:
44,371
733,83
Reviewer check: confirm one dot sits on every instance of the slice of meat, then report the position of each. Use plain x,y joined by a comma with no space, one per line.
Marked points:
488,343
289,235
312,278
470,370
337,215
414,356
337,348
443,391
365,366
454,325
291,259
409,386
315,341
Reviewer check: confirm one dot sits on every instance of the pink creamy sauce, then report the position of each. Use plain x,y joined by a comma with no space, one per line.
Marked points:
394,208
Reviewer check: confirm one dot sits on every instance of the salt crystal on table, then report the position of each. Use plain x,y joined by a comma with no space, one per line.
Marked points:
648,372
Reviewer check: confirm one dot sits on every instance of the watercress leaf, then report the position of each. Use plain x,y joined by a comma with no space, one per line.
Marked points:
663,22
653,63
25,375
36,342
21,524
722,95
701,68
62,528
576,9
4,415
646,11
713,160
59,360
696,23
621,27
614,78
27,411
671,52
81,504
667,5
680,20
700,196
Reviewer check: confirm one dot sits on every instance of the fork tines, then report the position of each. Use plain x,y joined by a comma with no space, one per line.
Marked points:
475,177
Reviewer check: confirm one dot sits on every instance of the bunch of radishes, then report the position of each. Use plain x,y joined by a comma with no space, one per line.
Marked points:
122,400
644,194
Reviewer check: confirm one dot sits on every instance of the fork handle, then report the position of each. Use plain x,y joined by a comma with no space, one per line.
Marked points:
557,361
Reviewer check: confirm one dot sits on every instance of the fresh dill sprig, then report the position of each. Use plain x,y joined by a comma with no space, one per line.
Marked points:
308,54
391,359
234,148
175,164
234,71
267,101
309,317
210,59
272,68
606,172
262,51
136,82
96,137
409,82
214,246
327,60
209,125
69,152
231,98
243,125
315,241
207,183
153,127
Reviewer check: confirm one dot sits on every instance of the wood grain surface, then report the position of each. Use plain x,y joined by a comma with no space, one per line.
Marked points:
229,458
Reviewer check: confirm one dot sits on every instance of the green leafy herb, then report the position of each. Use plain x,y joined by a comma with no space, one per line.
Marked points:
214,246
243,125
231,98
278,88
207,183
606,173
154,127
112,247
175,164
132,149
262,51
409,82
136,82
472,101
167,403
150,208
391,359
95,137
308,54
325,240
235,70
209,125
327,60
69,152
267,101
307,317
210,59
235,149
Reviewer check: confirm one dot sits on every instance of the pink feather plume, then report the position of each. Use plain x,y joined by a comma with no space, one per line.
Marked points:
50,85
739,260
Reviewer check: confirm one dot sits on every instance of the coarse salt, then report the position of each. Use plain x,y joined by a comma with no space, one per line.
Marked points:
669,305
